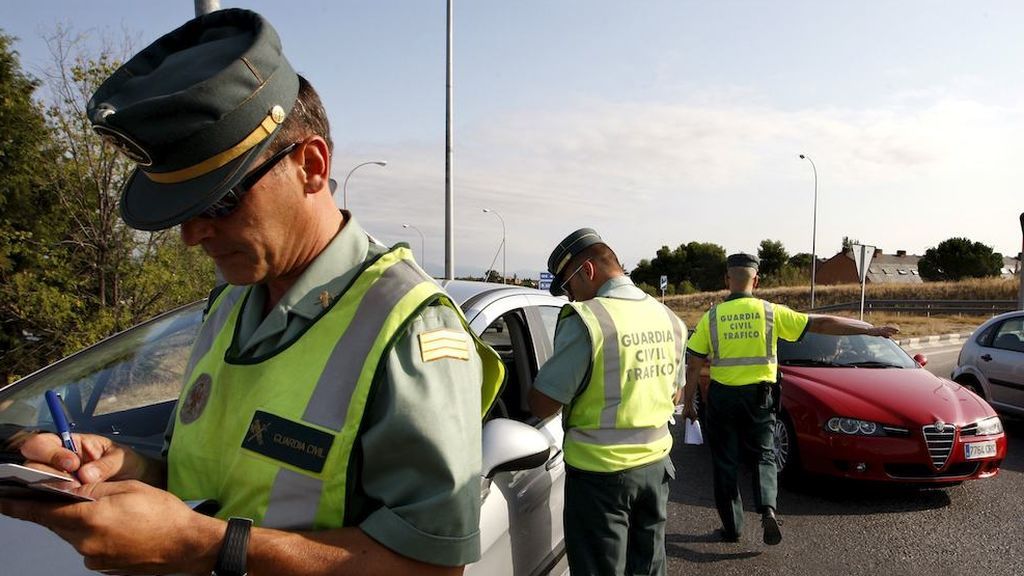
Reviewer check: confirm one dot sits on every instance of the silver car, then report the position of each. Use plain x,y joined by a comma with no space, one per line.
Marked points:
125,387
991,363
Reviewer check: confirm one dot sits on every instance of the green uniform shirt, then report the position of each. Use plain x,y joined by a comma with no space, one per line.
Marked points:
564,375
415,474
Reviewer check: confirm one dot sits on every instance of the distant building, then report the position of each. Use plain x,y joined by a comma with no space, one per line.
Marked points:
898,268
1011,267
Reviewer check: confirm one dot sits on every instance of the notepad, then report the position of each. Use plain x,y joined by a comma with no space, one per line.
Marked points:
17,481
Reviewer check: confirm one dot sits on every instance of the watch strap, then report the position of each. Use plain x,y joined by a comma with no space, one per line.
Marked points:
231,558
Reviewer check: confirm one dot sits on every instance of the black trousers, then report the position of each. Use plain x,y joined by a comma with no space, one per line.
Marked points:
741,428
615,522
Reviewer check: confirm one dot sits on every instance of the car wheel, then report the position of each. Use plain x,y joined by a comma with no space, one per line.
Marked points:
786,457
971,384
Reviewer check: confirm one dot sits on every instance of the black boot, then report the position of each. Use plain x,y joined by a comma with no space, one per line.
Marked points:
772,534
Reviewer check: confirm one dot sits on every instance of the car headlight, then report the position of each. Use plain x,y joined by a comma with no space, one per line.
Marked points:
854,427
989,426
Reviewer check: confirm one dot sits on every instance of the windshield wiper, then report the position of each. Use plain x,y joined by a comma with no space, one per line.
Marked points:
872,364
811,362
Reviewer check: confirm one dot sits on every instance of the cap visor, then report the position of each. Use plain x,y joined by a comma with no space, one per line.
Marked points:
147,205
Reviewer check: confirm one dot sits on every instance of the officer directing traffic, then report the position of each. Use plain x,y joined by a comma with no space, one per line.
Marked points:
309,410
739,339
617,369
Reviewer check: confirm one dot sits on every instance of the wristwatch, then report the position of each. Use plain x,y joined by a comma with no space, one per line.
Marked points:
231,558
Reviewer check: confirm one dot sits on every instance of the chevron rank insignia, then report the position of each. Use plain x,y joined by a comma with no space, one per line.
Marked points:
444,343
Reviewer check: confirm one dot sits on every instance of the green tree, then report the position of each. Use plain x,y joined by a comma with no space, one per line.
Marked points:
800,261
74,271
959,258
706,265
848,243
773,256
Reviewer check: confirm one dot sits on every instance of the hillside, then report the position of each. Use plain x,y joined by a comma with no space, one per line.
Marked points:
691,306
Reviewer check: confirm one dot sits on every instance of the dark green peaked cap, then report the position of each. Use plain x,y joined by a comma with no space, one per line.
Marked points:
742,260
193,110
572,245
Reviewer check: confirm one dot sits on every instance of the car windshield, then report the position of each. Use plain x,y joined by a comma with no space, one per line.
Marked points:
844,352
140,367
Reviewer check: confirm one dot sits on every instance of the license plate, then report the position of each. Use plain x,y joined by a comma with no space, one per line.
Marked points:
976,450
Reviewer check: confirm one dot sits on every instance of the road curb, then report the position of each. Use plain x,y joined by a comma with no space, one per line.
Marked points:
935,340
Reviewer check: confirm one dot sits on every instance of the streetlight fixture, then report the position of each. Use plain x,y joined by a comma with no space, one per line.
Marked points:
503,247
814,226
422,260
344,186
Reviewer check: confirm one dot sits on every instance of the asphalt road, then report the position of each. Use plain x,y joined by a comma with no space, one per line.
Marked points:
849,529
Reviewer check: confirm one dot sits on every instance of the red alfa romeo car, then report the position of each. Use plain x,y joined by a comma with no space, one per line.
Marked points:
859,407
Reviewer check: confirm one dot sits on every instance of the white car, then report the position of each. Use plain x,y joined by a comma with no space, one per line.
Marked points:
125,387
991,363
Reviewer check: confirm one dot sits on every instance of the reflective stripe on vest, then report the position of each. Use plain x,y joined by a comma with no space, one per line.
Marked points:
768,358
295,497
607,431
323,395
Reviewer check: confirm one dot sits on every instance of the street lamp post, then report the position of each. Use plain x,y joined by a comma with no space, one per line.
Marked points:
423,262
344,186
814,226
503,247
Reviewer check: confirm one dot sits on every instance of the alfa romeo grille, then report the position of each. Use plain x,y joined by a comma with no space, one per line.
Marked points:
940,444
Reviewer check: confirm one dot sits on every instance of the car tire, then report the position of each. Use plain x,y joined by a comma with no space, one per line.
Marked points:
972,384
787,457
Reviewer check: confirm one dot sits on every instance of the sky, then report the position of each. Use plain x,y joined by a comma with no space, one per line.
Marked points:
655,122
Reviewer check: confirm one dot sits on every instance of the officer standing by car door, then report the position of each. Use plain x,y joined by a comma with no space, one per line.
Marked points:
617,370
739,338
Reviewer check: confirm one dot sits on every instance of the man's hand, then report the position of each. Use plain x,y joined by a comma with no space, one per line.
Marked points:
690,412
99,459
131,528
883,331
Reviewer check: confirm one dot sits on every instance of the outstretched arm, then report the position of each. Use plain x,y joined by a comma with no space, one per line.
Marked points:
839,326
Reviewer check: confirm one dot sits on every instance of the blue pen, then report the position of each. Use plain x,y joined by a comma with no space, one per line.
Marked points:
56,405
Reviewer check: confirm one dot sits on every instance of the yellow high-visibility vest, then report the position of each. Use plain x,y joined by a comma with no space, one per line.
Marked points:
620,420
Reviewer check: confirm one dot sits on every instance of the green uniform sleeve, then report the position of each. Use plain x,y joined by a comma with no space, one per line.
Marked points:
681,376
699,343
564,374
421,451
790,325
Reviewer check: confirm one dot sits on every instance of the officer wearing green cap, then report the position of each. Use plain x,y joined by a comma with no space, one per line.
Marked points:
310,399
739,338
616,373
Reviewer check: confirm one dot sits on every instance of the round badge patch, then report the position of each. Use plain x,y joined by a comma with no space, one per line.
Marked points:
195,400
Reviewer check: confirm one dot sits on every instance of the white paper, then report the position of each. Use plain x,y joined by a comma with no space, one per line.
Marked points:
691,432
25,475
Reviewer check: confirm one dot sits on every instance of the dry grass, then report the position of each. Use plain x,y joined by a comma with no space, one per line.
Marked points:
690,307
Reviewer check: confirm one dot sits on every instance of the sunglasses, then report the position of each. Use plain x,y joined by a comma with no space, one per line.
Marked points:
565,284
230,201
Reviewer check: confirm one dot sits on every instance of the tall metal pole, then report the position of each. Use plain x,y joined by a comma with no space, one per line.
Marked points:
1020,266
814,227
449,200
423,261
344,186
503,247
206,6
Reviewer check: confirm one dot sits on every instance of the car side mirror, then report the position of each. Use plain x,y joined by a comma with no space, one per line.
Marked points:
511,445
921,359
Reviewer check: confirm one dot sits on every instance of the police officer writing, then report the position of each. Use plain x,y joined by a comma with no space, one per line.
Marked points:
617,370
739,338
309,409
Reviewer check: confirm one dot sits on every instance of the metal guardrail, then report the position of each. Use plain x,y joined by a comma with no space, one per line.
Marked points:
927,307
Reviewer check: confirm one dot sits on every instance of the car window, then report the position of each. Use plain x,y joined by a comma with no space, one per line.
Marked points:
141,367
824,350
984,337
510,339
549,317
1010,335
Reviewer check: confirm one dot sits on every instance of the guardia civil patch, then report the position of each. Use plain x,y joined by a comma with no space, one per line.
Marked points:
196,399
444,343
287,441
